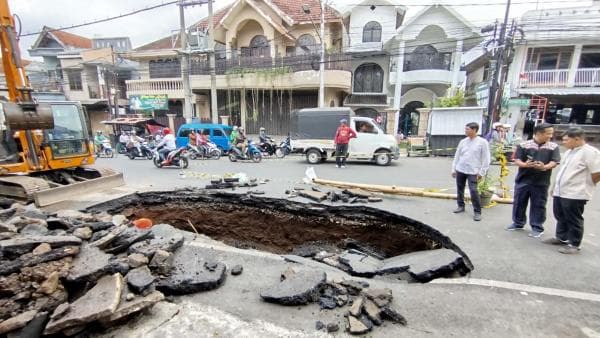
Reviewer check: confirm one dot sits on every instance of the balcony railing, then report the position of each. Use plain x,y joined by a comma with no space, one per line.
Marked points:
290,63
545,78
587,77
159,85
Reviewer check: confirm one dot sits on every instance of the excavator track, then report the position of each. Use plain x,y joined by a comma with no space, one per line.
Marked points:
45,190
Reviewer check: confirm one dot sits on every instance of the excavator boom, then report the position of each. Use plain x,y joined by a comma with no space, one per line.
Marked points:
52,147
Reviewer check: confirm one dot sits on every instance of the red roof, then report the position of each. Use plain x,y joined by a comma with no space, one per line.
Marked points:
167,43
293,8
70,39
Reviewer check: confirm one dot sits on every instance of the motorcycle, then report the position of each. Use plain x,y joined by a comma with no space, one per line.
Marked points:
140,150
268,148
175,158
105,149
252,153
209,150
284,148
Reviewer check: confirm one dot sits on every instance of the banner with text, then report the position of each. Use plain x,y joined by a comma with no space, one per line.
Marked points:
149,102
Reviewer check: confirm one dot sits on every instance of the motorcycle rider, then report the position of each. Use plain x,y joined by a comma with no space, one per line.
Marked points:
134,142
233,135
240,140
98,140
202,142
123,139
168,144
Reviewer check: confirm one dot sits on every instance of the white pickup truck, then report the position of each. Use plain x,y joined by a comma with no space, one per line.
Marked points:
313,132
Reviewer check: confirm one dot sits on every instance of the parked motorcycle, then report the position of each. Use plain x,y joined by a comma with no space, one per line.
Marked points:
284,148
140,150
210,150
268,148
252,153
105,149
175,158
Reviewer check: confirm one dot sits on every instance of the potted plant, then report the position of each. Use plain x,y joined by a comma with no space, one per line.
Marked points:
485,188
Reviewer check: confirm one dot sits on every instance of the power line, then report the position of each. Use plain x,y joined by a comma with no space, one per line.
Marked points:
136,11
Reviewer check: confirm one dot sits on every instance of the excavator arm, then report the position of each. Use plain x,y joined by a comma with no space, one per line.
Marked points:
52,143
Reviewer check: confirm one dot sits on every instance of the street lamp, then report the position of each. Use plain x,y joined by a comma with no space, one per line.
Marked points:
306,10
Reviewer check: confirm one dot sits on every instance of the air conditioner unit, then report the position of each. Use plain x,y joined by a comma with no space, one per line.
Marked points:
198,40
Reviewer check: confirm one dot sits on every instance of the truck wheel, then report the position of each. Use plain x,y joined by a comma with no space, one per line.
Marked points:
383,158
313,156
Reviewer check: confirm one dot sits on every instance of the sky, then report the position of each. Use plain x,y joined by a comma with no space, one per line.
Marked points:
154,24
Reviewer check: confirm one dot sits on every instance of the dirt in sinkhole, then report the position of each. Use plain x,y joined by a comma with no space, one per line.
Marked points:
282,232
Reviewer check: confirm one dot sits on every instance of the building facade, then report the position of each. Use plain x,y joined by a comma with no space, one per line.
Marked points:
428,52
555,75
84,70
267,61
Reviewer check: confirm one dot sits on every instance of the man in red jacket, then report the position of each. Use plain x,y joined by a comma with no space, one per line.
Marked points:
342,138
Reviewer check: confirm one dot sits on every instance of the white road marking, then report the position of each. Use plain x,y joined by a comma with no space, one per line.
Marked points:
594,297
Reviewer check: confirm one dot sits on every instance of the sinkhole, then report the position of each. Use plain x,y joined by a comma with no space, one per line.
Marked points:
360,240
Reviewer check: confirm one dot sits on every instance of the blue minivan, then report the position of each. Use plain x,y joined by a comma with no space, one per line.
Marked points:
217,133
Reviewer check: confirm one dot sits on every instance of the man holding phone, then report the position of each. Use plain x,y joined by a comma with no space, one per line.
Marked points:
535,158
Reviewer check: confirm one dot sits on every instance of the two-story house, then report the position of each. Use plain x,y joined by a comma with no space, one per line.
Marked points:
370,31
267,53
426,65
84,70
558,68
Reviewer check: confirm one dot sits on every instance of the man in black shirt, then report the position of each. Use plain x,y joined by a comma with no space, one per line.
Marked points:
535,159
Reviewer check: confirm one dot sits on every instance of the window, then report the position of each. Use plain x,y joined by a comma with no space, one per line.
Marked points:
368,78
165,68
427,57
548,58
184,132
74,78
372,32
259,46
217,132
306,44
365,127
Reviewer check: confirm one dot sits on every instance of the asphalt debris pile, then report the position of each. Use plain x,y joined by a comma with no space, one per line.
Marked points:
363,308
70,271
234,182
350,196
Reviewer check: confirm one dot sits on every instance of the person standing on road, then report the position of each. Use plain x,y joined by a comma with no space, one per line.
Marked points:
575,183
535,158
471,162
342,138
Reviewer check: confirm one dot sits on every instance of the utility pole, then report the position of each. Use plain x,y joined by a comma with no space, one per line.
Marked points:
214,112
322,63
493,96
185,61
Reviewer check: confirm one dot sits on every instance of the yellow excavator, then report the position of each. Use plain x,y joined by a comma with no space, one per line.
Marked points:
45,148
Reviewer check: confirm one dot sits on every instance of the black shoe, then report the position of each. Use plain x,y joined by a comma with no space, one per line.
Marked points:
555,241
513,227
458,210
477,216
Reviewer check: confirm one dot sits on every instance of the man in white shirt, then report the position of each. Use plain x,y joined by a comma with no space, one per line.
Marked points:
575,183
168,144
471,162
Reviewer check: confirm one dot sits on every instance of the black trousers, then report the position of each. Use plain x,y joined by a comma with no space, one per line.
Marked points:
341,151
569,219
461,180
538,195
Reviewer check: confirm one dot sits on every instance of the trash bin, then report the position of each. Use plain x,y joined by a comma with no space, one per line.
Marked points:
224,119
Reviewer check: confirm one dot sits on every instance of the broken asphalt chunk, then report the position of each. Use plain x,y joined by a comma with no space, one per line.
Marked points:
90,264
101,301
298,289
189,275
140,279
165,237
23,244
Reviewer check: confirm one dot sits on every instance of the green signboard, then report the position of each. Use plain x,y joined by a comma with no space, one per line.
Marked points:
519,102
149,102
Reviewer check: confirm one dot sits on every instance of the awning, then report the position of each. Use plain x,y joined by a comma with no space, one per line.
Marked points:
132,121
560,91
372,100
